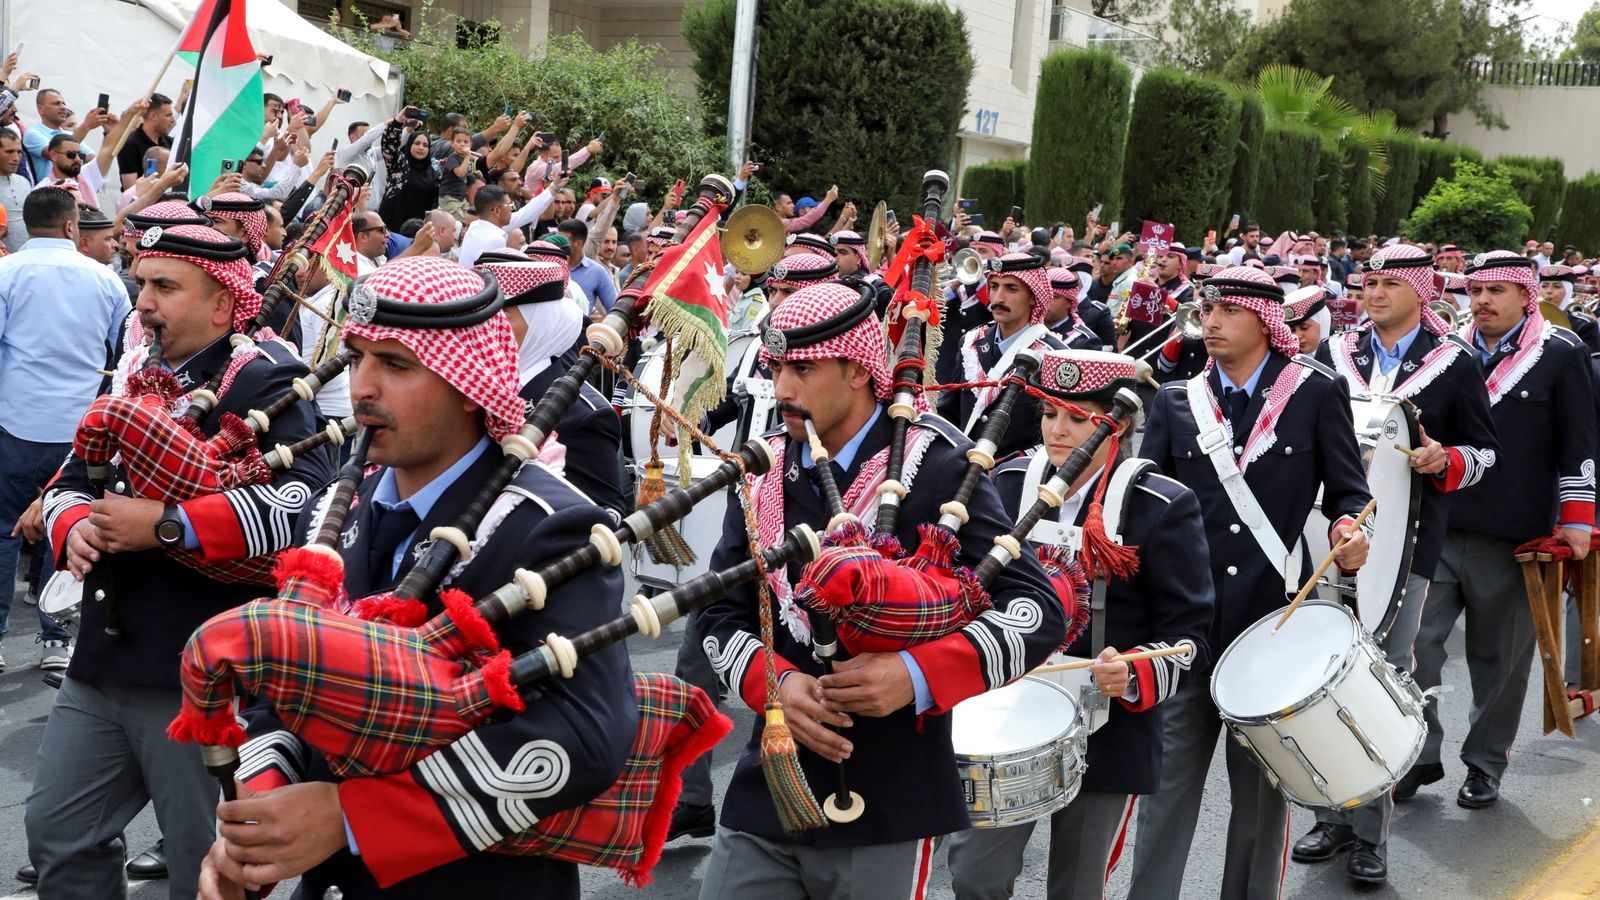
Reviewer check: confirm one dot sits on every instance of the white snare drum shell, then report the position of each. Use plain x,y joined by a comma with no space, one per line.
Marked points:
1019,752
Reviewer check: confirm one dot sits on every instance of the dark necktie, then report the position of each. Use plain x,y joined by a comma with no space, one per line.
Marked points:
838,479
389,528
1236,402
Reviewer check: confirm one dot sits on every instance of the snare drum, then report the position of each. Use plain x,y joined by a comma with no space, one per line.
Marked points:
61,597
1330,722
1020,752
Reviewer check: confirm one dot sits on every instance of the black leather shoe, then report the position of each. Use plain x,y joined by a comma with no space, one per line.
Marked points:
692,821
1415,778
1479,790
1367,863
150,864
28,874
1322,842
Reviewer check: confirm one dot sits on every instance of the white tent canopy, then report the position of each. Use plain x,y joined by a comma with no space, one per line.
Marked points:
116,47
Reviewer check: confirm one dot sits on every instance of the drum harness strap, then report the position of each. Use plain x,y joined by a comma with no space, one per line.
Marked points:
1118,491
1217,444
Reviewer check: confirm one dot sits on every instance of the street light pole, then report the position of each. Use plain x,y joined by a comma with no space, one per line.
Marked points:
741,87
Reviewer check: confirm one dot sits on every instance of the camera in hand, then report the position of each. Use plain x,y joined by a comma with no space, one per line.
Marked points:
344,95
415,114
232,165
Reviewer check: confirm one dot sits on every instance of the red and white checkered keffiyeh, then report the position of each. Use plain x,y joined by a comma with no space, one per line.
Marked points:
235,274
1269,310
864,343
166,211
480,360
545,250
1422,278
253,221
1064,283
517,278
853,241
802,269
1504,265
1037,280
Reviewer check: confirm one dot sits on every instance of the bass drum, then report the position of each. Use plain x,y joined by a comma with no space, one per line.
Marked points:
640,410
1382,422
701,529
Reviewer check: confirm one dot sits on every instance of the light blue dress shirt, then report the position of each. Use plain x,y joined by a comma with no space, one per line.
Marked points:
1249,384
1388,361
59,312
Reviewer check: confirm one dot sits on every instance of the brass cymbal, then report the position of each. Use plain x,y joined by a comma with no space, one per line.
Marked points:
875,230
753,239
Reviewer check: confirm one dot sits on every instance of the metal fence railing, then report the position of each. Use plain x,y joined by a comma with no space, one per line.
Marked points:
1534,73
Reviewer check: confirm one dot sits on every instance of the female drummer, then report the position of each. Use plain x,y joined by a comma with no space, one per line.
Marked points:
1162,604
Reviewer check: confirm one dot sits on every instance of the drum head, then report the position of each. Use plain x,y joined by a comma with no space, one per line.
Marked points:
1262,673
61,596
1398,491
640,409
1029,712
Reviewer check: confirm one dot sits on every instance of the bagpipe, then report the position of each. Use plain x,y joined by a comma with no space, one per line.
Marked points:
387,686
165,454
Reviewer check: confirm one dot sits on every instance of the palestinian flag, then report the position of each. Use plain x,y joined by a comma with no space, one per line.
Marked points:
225,113
689,304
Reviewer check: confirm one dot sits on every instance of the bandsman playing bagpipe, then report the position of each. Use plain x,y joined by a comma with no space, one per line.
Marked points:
142,595
1156,602
1406,351
880,713
1254,436
434,382
1019,296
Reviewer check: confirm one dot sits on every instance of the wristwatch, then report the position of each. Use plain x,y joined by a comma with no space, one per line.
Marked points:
169,528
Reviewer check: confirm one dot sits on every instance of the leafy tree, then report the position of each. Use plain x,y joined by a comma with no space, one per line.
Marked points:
1181,139
578,92
1246,157
1403,55
997,186
1474,209
1080,124
1202,35
863,93
1580,215
1123,12
1585,38
1286,178
1436,160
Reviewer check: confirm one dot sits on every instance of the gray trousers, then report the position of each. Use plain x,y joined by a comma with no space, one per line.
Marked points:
694,667
1477,576
105,754
1371,819
746,866
1085,840
1258,828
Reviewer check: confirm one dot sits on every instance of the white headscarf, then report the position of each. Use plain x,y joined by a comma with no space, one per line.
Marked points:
553,327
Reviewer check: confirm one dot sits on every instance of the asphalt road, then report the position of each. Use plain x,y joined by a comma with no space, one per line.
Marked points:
1437,850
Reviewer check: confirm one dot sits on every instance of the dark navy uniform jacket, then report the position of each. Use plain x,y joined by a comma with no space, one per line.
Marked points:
430,825
1169,599
903,764
1453,409
1315,448
592,433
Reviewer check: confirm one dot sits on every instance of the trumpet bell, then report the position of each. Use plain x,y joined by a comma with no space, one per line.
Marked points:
968,264
753,239
1448,312
875,230
1187,320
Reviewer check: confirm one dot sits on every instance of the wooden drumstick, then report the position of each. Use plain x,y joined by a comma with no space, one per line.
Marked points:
1181,649
1326,562
1414,454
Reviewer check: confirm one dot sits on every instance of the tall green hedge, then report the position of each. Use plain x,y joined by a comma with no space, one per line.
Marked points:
1399,184
997,186
1580,215
1363,200
1330,199
1179,159
1242,180
866,94
1080,123
1540,181
1436,160
1286,178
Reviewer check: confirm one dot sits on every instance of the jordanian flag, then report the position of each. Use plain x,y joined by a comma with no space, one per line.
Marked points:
225,112
688,303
